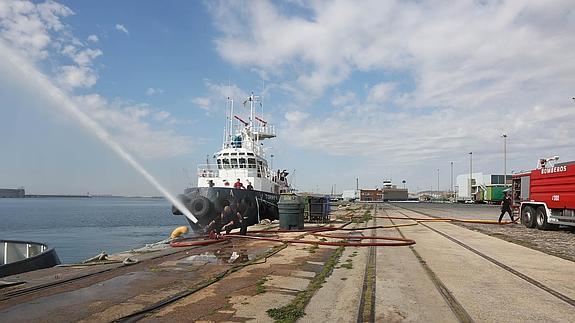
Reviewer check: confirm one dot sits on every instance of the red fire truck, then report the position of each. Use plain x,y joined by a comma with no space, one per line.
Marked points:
545,197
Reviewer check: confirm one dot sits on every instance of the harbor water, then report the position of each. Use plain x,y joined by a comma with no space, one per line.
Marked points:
80,228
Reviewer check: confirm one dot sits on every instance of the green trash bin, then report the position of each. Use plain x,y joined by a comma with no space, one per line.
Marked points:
290,208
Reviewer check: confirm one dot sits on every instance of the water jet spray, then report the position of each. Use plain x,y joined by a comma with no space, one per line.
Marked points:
44,86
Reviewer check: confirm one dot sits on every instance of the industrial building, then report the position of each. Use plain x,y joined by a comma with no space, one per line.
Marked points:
12,193
371,195
350,195
384,194
486,188
388,192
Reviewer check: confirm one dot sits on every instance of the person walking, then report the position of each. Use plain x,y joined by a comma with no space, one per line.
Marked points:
506,207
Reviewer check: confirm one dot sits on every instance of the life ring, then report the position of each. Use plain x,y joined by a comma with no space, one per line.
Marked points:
200,206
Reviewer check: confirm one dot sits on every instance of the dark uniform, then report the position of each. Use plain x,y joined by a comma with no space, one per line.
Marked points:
506,207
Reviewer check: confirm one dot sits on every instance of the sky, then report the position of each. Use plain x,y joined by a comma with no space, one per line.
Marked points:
371,90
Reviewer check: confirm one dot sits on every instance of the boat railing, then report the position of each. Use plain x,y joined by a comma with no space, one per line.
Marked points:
265,131
12,251
257,149
212,171
208,170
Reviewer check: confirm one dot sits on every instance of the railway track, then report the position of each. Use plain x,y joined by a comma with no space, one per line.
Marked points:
509,269
366,312
456,308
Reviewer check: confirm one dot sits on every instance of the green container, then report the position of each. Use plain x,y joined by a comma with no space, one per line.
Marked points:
291,208
495,193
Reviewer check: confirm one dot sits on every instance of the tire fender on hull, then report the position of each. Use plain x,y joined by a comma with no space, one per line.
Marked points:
200,206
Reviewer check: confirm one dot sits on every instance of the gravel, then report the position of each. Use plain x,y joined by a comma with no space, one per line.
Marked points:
559,242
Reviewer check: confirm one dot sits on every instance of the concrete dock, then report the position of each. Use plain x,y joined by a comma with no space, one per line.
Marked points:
452,273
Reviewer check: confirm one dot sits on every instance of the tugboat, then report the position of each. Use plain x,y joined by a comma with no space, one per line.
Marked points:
240,178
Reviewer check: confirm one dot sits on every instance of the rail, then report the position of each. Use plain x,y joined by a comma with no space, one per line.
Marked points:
233,170
208,170
12,251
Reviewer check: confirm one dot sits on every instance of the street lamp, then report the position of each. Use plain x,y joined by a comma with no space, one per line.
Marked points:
438,181
504,159
470,173
451,187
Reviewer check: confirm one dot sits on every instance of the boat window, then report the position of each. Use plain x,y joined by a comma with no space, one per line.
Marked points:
225,154
241,153
233,154
225,163
251,163
260,168
242,162
234,162
250,154
219,164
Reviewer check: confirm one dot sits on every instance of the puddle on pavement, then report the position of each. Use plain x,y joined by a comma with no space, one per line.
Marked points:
219,257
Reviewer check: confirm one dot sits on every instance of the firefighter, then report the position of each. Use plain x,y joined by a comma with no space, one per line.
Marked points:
215,227
506,207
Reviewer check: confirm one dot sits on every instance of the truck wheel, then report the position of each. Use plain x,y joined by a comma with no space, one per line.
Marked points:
528,217
541,216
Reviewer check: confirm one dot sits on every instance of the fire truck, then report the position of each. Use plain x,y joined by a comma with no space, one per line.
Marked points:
545,197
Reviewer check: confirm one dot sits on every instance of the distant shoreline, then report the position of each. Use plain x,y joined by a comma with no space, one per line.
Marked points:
89,196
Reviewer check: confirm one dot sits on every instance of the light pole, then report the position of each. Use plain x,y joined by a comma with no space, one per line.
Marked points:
470,173
438,181
451,183
504,159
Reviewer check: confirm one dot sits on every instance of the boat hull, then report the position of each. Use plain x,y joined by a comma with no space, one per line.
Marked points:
17,259
206,203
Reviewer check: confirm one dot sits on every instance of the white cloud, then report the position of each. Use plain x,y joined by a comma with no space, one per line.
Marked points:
140,128
202,102
27,27
162,115
122,29
31,34
471,70
71,76
85,57
341,99
380,93
93,39
37,32
154,91
215,100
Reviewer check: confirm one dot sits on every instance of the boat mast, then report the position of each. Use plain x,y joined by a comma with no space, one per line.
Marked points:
252,99
231,132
